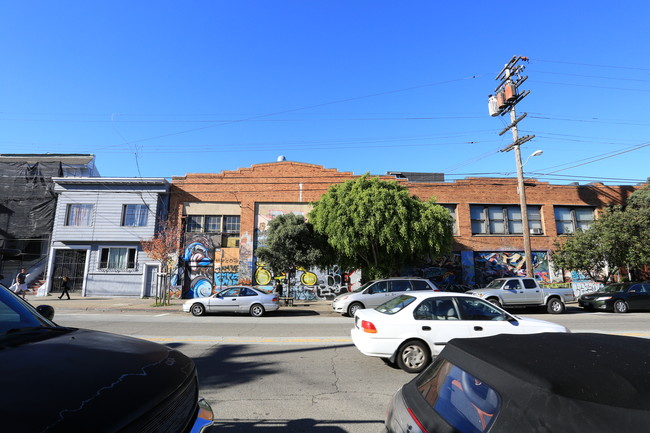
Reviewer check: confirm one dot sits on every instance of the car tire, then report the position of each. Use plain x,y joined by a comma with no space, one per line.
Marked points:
257,310
413,356
495,301
621,306
352,309
555,306
197,309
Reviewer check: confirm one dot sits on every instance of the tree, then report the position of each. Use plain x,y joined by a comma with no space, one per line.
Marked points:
291,243
376,226
164,248
616,240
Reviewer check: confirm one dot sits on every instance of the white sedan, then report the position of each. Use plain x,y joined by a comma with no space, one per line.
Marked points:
240,299
411,330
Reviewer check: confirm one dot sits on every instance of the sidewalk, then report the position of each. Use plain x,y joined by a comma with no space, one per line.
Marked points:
117,304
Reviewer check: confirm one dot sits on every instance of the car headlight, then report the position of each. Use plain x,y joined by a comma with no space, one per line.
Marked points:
603,298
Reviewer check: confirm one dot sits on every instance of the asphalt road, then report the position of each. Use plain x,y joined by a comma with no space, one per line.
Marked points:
295,370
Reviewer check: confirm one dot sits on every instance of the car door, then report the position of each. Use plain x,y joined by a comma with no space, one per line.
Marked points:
484,319
376,294
398,287
226,301
533,294
512,293
437,322
637,297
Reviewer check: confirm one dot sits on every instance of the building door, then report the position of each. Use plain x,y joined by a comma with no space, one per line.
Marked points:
71,263
150,280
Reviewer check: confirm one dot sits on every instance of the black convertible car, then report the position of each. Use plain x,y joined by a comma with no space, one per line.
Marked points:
58,379
553,382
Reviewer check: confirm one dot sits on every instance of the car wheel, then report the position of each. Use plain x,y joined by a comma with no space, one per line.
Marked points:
413,356
555,306
257,310
197,309
495,301
352,309
621,306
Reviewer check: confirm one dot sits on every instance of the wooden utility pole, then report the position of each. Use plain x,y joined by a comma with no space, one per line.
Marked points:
506,98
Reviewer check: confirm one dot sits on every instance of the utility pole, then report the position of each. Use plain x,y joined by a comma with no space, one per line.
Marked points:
506,97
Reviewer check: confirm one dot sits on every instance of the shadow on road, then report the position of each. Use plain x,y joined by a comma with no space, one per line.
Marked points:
291,426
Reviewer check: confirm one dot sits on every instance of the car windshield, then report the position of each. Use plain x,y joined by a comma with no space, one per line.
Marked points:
19,318
395,305
494,284
363,286
612,288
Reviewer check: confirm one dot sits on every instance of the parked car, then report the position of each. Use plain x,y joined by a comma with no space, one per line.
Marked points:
374,293
412,329
525,292
570,383
59,379
239,299
618,297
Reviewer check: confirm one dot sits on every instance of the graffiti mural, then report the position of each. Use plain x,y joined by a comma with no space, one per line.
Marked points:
497,264
226,268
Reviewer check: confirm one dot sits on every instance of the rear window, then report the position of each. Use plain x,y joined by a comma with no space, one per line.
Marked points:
464,401
395,305
420,285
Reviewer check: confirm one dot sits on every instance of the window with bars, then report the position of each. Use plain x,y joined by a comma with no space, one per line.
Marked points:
569,220
79,215
226,225
504,219
135,215
117,258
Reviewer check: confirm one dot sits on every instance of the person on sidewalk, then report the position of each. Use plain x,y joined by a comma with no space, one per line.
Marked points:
21,283
65,286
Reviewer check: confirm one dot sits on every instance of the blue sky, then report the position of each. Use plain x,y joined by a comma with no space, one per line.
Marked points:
161,89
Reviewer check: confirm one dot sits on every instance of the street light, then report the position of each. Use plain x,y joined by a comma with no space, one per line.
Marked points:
535,153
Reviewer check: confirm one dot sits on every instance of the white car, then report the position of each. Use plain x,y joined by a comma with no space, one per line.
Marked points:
412,329
239,299
374,293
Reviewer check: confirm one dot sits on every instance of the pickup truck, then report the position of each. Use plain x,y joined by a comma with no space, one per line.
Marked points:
524,292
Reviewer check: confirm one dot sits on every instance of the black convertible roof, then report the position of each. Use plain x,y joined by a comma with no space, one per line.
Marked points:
600,368
562,381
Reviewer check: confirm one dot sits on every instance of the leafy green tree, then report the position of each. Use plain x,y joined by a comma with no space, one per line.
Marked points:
616,240
378,227
291,243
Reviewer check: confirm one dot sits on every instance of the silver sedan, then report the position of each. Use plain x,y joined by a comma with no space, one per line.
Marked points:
239,299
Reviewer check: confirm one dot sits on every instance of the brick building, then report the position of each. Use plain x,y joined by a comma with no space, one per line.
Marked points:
225,216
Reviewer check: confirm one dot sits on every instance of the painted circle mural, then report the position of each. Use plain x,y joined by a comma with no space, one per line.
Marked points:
308,278
262,276
201,287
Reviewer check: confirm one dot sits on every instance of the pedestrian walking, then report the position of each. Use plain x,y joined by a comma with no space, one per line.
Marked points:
65,286
21,283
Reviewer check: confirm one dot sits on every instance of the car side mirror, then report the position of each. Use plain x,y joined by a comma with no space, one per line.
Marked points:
46,311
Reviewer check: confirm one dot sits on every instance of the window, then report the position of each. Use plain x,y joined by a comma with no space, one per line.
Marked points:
463,400
452,211
231,224
135,215
194,223
379,287
569,220
400,286
79,215
503,219
117,258
212,223
477,309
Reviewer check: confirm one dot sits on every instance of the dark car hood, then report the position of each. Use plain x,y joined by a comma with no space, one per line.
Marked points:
86,381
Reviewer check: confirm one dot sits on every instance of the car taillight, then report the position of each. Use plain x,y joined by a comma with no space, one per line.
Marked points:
368,327
417,421
276,299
